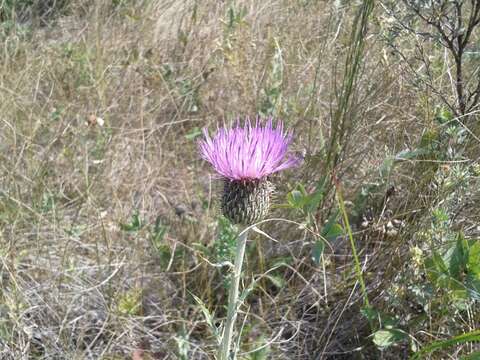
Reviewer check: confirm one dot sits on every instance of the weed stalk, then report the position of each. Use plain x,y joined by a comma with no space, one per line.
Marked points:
358,269
224,351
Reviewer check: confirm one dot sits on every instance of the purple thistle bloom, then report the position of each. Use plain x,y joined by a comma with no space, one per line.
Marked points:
249,152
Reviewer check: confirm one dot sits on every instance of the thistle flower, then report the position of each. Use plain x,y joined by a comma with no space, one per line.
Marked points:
244,157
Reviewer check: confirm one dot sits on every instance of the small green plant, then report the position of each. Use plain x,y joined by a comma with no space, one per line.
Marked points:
157,239
135,224
234,17
389,332
77,65
130,303
456,269
10,9
48,202
306,204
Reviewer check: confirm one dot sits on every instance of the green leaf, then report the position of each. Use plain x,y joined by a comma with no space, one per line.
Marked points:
194,133
134,225
164,254
384,321
317,251
280,261
158,234
387,167
429,139
209,318
130,303
277,280
387,337
48,202
334,231
457,257
301,200
473,287
447,270
473,271
316,198
370,313
362,196
411,154
296,199
444,115
440,215
439,263
473,264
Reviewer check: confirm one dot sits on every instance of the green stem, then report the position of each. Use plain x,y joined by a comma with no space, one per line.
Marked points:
358,269
224,351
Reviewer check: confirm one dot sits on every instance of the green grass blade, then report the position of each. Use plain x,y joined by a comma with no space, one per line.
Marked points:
444,344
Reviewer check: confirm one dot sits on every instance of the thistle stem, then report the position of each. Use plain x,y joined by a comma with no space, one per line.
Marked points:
224,350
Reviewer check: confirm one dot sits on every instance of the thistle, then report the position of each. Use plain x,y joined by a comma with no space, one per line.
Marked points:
245,157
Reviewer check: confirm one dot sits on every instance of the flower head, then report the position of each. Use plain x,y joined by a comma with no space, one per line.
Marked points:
245,157
249,152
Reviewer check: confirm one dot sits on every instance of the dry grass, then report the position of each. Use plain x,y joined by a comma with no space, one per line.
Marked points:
81,280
